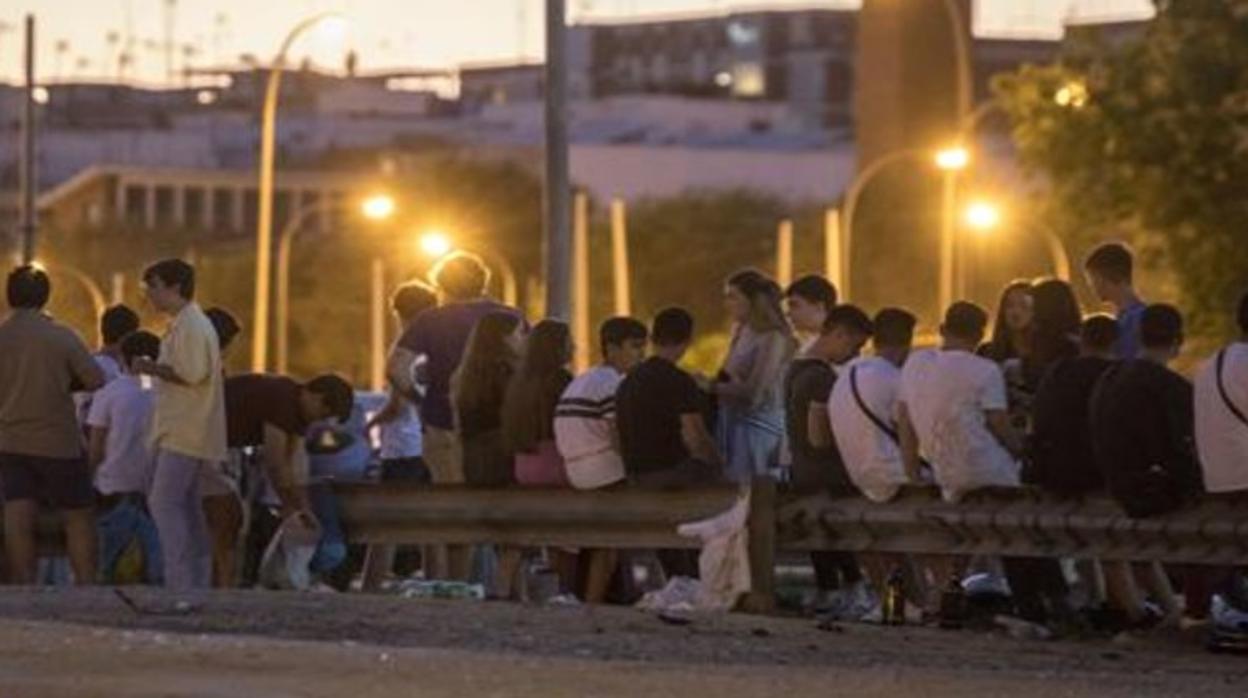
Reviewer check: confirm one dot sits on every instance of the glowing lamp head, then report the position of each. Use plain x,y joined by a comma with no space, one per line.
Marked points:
379,207
956,158
1073,94
982,216
435,243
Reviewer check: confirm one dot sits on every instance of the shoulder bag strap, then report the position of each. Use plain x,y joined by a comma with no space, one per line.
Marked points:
1222,391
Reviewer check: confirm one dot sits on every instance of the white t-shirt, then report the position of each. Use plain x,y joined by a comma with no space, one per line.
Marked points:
946,394
401,437
1221,439
584,424
872,457
111,370
124,407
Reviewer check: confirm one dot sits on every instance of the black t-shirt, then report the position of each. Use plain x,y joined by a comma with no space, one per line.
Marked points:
807,381
1062,460
648,409
1143,437
253,400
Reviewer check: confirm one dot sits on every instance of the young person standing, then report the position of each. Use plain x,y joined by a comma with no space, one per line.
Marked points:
188,426
41,458
1111,271
123,463
751,400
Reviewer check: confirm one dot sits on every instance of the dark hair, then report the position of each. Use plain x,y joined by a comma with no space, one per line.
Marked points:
1243,313
1056,325
224,323
1161,326
460,275
173,272
140,343
29,287
480,381
1001,347
813,288
1113,261
534,389
117,322
413,298
894,327
335,392
764,296
617,330
1099,332
965,320
850,317
672,326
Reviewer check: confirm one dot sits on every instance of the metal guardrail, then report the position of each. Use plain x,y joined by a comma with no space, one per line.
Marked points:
1017,522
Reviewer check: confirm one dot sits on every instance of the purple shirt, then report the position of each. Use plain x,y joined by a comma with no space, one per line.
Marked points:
442,335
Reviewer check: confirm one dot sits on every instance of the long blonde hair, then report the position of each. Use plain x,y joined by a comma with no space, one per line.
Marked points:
764,295
487,365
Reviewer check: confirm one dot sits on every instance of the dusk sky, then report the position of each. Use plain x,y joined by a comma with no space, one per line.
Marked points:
74,34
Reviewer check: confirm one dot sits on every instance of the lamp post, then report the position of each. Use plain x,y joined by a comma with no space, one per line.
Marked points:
264,193
850,205
376,208
962,57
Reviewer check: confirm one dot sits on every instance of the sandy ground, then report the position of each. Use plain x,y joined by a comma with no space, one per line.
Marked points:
88,643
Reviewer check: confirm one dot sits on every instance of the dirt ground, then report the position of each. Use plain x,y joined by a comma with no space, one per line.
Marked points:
88,643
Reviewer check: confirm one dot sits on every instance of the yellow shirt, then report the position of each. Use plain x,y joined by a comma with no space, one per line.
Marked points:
190,419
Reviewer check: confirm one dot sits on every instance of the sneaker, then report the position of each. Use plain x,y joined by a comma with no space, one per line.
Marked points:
861,600
830,603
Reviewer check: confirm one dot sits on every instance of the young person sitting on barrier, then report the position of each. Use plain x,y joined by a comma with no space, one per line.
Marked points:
816,462
120,421
953,410
528,435
1221,411
586,434
862,413
1062,460
1142,426
807,303
660,413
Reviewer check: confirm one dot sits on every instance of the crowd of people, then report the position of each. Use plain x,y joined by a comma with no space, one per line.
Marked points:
138,445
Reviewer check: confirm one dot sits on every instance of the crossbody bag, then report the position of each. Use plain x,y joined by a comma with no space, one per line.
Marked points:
1226,398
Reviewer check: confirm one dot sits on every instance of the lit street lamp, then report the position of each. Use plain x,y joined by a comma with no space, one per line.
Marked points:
983,217
377,208
950,161
264,207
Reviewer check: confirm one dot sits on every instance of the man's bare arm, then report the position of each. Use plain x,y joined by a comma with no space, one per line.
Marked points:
909,439
698,440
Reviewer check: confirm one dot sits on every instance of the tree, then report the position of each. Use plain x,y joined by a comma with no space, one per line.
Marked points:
1148,137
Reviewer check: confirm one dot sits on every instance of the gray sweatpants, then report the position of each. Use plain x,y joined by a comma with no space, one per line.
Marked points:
179,515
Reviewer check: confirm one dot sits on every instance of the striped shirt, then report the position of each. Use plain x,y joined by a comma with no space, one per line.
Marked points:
584,429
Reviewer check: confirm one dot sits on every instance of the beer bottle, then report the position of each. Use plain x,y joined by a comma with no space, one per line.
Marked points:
894,605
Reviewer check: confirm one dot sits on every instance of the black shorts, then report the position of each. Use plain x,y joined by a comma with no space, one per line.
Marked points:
58,483
406,470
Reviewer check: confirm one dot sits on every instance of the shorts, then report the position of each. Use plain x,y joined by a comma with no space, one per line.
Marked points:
405,470
58,483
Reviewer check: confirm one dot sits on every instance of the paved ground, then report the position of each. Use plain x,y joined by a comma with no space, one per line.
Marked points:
88,643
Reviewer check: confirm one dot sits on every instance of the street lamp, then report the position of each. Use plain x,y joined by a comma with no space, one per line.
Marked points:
264,191
378,207
437,244
982,216
950,161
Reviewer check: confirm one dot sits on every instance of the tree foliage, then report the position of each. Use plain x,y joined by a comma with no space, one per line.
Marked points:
1158,149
